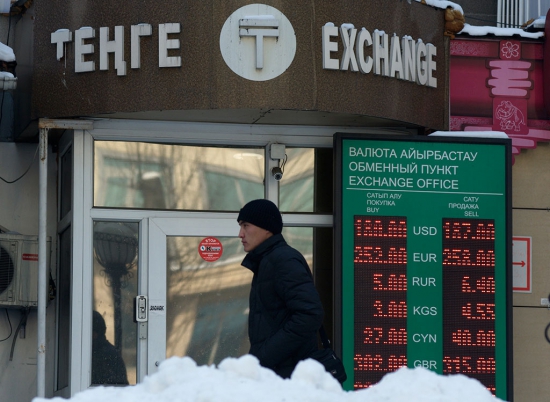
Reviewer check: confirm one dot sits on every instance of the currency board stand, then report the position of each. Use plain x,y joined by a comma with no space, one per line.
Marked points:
423,257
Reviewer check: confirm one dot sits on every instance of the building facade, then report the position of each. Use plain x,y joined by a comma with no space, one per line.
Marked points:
499,82
163,120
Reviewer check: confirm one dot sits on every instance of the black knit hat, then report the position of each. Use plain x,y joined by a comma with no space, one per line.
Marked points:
262,213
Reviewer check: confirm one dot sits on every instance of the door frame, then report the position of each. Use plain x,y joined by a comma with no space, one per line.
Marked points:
159,229
83,212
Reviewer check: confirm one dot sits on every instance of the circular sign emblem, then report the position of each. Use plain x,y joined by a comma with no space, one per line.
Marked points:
258,42
210,249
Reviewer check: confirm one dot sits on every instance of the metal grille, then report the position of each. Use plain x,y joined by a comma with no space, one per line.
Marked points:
6,269
514,13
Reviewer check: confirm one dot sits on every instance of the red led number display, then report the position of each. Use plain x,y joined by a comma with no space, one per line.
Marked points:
468,288
469,299
380,261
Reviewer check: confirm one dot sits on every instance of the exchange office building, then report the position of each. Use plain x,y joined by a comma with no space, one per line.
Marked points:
168,117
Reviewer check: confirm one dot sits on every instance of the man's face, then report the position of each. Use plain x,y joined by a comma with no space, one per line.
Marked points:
252,236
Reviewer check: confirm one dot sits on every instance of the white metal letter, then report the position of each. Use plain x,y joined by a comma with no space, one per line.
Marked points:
328,46
432,65
396,62
348,38
115,46
81,49
364,40
59,37
135,32
421,63
381,53
409,58
165,44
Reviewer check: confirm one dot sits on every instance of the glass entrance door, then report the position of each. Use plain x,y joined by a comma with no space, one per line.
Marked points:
198,291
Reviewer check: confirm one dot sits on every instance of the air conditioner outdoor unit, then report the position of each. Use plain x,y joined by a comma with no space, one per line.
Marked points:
19,270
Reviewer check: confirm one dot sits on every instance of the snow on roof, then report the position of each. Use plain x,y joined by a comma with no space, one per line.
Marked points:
469,134
489,30
538,23
6,53
485,30
443,4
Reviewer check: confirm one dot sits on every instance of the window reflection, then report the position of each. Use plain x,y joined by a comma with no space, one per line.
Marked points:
207,302
159,176
306,185
107,364
296,186
114,343
316,246
300,238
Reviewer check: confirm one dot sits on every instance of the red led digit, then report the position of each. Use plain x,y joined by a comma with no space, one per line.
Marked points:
485,365
464,337
393,309
373,335
469,299
395,362
380,270
485,284
372,254
397,337
391,282
468,230
457,364
468,288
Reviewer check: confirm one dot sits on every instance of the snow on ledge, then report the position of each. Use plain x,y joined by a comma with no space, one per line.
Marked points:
7,81
443,4
483,31
6,53
469,134
487,30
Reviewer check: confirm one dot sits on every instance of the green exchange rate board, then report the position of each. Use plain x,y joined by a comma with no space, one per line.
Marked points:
423,226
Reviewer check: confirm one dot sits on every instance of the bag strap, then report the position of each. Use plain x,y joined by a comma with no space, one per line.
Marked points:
322,333
324,337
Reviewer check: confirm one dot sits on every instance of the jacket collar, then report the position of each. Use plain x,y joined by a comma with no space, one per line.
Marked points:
252,259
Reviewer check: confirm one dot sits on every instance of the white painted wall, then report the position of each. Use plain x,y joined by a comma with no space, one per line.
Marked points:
19,213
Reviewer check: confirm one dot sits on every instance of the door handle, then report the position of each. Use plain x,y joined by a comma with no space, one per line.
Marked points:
141,310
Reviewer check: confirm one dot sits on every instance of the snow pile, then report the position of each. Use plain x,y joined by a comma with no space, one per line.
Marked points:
244,380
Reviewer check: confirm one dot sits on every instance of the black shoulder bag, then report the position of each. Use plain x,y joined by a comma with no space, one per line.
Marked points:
327,357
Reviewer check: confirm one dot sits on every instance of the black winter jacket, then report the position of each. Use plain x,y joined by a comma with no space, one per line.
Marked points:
285,308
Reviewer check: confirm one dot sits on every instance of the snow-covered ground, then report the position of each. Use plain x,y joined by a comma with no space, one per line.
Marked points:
244,380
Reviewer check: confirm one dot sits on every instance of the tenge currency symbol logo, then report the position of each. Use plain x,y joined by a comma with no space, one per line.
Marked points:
258,42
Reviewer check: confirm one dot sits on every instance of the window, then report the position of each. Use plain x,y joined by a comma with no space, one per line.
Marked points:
114,340
176,177
306,185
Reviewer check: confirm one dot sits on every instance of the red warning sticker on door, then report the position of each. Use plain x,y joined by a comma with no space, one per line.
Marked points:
210,249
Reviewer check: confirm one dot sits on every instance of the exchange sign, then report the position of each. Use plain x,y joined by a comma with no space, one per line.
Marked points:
424,251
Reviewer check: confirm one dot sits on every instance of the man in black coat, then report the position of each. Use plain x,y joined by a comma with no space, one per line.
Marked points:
285,308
